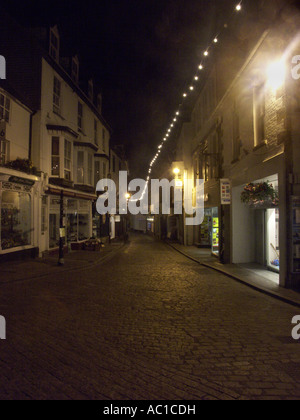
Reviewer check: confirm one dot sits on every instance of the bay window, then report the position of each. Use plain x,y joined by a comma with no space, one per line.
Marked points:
80,167
55,167
67,160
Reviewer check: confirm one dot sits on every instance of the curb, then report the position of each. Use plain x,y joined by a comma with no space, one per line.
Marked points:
240,280
70,269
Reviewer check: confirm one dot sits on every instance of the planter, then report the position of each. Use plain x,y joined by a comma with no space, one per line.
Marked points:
260,196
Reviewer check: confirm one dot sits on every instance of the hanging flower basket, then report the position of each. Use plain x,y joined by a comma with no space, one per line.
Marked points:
261,195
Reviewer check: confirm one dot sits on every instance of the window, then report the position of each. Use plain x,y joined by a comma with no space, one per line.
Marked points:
4,108
80,115
44,215
97,172
54,46
56,95
259,111
55,168
90,169
68,160
15,219
80,167
96,132
4,151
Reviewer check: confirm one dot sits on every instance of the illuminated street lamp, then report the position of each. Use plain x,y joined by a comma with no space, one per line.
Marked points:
176,171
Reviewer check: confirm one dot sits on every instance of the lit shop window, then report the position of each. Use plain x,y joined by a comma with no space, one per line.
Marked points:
15,220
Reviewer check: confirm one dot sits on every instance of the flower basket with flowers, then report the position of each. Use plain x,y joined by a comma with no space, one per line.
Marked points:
260,195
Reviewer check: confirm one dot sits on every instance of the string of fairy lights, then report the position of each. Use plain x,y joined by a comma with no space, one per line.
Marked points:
189,90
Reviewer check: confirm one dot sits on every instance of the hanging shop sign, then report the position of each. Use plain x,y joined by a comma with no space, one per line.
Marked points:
225,191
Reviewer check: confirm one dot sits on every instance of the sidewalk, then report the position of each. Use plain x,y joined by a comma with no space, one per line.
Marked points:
42,267
243,274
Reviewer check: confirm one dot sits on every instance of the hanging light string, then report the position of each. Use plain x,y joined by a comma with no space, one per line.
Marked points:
191,88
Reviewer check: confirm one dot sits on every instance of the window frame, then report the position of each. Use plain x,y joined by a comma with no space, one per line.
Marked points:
90,169
54,45
56,95
96,131
5,108
67,159
80,115
54,156
80,168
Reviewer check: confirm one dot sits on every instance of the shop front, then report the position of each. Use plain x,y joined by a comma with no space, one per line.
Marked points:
77,219
18,224
256,225
210,230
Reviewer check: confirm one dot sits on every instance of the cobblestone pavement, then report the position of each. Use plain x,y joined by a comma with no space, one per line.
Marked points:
147,324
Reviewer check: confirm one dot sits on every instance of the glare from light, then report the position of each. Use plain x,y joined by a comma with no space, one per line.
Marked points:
205,53
196,78
201,67
176,171
216,40
276,73
239,7
191,87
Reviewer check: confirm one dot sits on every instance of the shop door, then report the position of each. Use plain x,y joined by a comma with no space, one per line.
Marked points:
259,216
272,240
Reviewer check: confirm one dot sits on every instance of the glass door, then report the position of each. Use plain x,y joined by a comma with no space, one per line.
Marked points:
272,239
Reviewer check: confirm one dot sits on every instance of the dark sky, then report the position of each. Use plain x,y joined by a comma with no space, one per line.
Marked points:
141,53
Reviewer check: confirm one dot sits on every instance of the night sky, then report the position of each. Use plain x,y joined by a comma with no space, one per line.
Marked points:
141,53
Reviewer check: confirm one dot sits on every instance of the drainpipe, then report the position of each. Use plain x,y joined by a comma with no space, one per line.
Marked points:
30,135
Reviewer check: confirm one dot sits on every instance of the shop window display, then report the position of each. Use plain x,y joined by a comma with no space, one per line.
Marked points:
15,220
215,231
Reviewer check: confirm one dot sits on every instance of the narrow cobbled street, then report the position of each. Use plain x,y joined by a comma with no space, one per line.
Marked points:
145,324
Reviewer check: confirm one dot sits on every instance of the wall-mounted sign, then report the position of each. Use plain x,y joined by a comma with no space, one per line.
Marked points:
22,181
225,191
